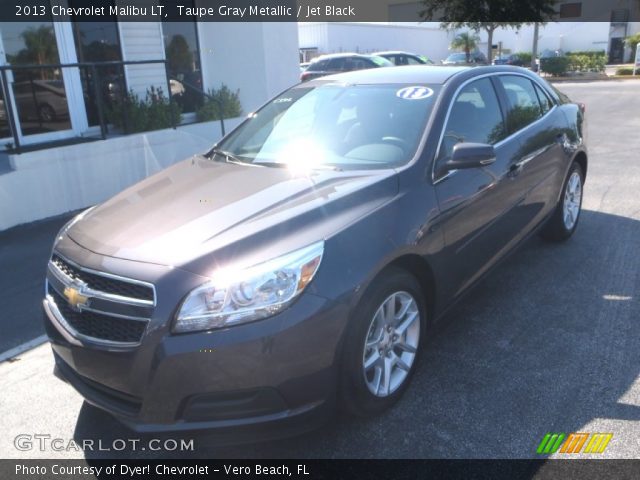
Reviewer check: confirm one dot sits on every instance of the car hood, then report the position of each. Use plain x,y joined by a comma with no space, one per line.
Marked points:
200,206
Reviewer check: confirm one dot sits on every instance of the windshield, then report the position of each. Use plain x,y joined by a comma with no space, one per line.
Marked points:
335,126
381,61
457,56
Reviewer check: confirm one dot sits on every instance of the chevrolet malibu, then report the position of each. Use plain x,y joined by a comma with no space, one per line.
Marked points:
302,263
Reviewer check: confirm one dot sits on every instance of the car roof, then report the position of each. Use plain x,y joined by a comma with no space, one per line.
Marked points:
395,52
341,55
419,74
406,74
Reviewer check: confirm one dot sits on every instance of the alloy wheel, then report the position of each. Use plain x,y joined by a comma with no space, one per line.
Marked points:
572,201
391,344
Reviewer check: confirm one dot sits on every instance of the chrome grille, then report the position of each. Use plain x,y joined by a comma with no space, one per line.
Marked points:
102,283
98,325
88,306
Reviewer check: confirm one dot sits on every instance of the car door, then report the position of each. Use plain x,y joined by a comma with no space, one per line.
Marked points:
541,130
337,65
316,69
475,204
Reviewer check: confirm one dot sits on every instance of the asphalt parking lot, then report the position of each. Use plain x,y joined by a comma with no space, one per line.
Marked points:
549,342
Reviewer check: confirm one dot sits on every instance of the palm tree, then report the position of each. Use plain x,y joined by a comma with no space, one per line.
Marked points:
465,41
632,42
40,48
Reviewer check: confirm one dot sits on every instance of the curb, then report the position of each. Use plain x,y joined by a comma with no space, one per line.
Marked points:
20,349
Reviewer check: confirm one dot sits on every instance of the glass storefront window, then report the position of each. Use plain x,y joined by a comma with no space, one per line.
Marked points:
5,131
183,60
97,40
38,93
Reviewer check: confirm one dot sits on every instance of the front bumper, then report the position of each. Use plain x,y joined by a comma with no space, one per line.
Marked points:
246,379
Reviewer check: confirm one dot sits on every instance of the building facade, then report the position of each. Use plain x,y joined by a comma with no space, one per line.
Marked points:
621,17
62,145
426,39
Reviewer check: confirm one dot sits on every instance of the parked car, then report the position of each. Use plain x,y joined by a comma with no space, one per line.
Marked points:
342,62
512,59
306,258
304,66
41,99
476,58
551,53
403,58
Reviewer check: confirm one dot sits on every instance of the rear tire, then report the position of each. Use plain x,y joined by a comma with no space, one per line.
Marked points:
564,220
383,342
46,113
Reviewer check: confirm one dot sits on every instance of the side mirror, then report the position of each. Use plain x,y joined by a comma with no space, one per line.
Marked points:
470,155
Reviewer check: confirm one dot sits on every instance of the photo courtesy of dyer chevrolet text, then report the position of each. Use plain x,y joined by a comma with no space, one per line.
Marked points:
123,470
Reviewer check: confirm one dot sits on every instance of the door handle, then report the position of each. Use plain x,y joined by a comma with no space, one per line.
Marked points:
514,169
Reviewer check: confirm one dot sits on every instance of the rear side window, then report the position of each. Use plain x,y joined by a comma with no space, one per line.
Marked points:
360,63
336,64
523,105
413,61
545,102
475,117
318,66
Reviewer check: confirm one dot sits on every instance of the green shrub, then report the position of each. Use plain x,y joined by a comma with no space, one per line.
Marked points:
589,53
525,57
556,66
220,103
625,71
632,42
132,115
587,61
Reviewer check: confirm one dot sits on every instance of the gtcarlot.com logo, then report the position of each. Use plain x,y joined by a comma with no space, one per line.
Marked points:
574,443
45,442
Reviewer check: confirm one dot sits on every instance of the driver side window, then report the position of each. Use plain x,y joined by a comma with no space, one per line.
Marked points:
475,116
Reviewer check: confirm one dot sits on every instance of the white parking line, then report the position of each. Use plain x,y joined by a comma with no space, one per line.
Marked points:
15,351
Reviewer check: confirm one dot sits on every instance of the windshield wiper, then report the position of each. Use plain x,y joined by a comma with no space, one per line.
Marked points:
232,158
229,157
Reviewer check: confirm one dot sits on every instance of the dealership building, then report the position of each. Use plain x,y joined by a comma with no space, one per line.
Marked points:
67,140
586,25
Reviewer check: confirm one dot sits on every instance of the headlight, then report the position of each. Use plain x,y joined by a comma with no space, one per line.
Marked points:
239,296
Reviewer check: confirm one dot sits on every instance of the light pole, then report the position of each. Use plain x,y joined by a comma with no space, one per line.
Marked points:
534,53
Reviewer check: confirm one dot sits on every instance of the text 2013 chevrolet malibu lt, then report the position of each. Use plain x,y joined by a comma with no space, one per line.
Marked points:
303,261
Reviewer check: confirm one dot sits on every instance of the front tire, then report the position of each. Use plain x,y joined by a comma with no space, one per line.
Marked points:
383,342
564,220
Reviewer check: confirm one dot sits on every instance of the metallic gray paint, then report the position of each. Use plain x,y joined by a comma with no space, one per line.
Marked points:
174,228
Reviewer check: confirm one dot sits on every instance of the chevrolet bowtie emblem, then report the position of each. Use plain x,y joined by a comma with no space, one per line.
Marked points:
75,298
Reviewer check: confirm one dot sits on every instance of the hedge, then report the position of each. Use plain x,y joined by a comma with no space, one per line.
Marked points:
132,114
587,61
556,66
574,62
524,56
220,103
589,53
